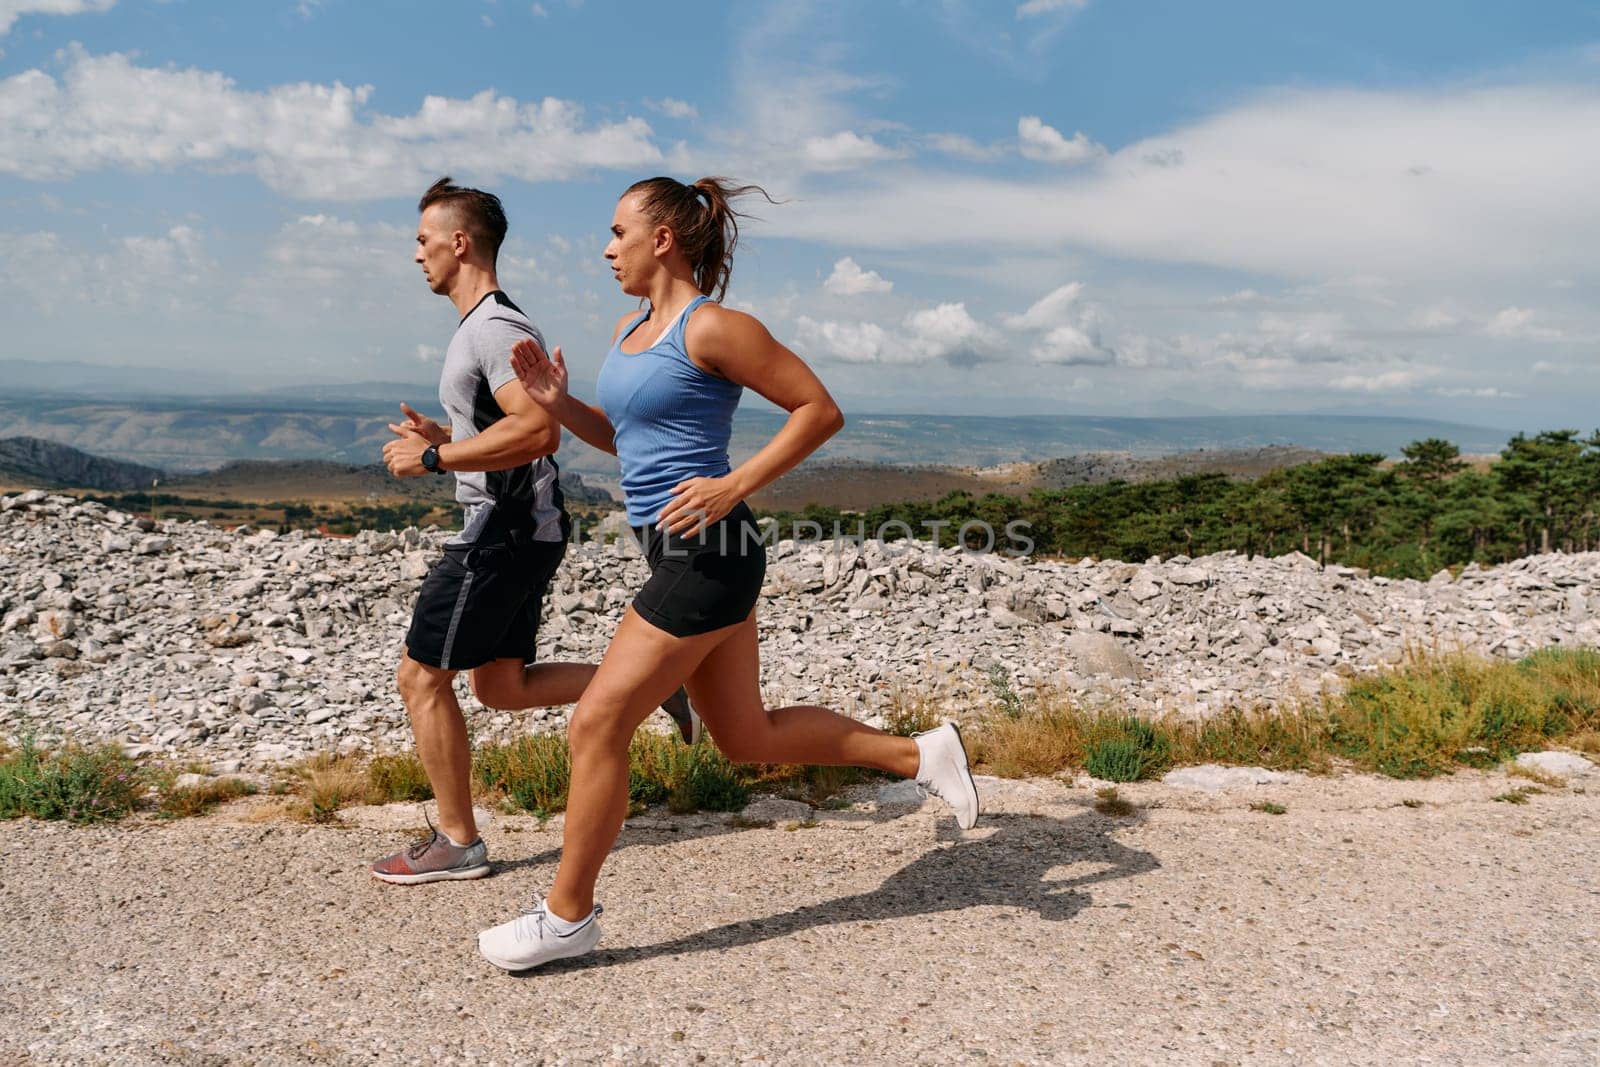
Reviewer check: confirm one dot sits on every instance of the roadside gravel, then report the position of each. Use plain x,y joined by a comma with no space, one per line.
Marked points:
1352,929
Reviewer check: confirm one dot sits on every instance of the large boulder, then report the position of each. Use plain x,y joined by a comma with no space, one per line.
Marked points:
1097,654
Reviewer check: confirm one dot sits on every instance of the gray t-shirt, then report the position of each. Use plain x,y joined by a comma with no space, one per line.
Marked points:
477,363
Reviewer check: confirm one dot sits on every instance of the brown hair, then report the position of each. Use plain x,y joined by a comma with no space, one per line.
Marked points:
476,212
703,220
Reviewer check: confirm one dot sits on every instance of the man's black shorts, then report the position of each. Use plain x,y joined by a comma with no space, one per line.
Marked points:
481,602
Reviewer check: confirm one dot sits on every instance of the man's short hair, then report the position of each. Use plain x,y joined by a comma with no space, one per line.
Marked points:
474,211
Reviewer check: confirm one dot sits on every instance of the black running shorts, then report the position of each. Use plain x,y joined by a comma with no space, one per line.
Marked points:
481,602
705,582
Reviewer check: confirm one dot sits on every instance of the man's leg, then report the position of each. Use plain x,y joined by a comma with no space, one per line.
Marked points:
510,685
441,736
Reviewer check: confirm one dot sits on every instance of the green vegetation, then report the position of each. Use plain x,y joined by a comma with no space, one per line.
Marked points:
182,802
532,772
1427,717
76,783
397,777
1110,802
1267,807
1411,519
1126,750
1431,715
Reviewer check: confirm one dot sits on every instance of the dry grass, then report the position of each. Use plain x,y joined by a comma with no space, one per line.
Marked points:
1431,714
1534,774
911,712
323,784
1049,738
189,801
1109,802
397,777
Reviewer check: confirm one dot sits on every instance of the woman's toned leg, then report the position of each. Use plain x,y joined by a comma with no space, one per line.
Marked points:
726,690
642,667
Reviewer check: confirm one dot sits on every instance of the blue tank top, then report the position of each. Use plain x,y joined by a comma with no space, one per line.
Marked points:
672,419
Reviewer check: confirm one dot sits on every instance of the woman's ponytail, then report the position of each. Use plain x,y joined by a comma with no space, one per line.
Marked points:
703,219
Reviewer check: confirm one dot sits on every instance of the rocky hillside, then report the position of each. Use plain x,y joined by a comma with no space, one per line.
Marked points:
247,645
32,461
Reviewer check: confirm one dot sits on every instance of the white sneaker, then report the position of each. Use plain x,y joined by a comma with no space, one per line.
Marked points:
943,772
531,939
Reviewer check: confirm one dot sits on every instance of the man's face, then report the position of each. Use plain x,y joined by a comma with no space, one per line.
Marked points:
438,245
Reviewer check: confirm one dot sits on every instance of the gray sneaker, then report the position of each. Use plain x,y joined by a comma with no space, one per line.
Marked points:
689,726
434,860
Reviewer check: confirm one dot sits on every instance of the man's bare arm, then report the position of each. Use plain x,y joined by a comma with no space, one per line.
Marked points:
526,433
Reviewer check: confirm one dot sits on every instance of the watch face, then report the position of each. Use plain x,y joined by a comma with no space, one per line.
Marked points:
430,458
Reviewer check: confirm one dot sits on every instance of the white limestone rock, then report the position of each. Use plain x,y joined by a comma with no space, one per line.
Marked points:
1214,778
1560,764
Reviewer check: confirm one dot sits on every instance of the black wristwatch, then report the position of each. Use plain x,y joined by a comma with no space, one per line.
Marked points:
430,459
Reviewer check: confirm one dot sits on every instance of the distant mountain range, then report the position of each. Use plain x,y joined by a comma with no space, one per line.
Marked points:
349,425
32,462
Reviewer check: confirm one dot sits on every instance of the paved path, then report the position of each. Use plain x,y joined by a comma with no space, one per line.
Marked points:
1350,930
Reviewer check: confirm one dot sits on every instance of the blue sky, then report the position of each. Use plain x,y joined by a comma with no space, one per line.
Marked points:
1074,206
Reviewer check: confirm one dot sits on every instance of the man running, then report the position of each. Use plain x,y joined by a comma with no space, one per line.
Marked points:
478,609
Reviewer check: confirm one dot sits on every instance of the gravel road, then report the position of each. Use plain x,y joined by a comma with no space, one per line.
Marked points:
1350,930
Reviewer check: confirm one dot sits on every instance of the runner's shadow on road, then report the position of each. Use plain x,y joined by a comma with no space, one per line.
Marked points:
1008,867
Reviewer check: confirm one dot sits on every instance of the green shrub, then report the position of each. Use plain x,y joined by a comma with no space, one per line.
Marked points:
1006,697
703,780
77,783
534,772
1126,749
396,778
1435,713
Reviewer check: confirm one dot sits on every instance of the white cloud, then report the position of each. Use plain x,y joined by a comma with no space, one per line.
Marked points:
1036,140
11,10
945,332
675,109
1238,299
429,353
1071,346
307,140
1052,309
1303,185
1515,323
162,272
852,342
1035,8
848,279
1484,393
844,150
955,144
1434,319
1381,381
1071,329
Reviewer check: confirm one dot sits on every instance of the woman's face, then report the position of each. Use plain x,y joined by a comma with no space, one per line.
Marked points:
635,246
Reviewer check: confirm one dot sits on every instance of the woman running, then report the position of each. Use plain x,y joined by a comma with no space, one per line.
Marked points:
667,393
